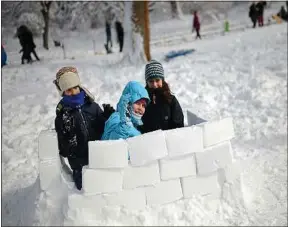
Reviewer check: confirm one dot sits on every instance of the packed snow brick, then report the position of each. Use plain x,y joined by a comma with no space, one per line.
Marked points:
147,148
195,186
171,168
50,173
183,141
213,158
217,131
164,192
108,154
131,199
97,181
48,145
141,175
80,201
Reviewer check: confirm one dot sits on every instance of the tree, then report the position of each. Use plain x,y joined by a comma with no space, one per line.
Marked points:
45,12
137,35
147,31
176,11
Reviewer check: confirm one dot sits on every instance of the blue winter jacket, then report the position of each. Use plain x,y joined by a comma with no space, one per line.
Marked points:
3,56
121,124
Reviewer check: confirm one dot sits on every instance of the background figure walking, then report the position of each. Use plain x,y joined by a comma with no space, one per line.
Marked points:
253,14
108,37
25,37
196,25
120,34
260,12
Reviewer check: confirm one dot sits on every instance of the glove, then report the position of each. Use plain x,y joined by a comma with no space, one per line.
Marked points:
108,110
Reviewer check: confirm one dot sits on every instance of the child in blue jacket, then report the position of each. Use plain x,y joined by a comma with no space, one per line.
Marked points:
123,123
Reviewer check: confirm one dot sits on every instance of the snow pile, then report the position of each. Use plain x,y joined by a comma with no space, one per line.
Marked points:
241,75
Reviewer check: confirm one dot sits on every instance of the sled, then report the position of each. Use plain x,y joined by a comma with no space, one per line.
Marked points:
164,167
174,54
277,19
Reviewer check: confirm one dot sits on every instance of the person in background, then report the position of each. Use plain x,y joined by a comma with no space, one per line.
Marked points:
25,37
108,36
3,56
253,14
78,120
120,34
283,14
260,12
123,123
196,25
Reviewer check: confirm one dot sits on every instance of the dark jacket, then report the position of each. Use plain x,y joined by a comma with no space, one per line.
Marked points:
108,29
119,29
196,22
162,115
253,12
25,37
260,8
75,127
3,56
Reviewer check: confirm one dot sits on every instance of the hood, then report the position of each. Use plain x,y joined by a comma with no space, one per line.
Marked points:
132,92
123,117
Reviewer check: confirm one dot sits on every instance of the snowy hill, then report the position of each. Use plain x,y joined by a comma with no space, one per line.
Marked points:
243,75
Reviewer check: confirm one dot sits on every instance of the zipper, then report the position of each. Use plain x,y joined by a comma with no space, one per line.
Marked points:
85,125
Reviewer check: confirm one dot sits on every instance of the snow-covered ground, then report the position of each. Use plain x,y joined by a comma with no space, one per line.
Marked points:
243,75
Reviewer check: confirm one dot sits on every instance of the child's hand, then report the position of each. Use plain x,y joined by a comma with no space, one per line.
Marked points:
108,110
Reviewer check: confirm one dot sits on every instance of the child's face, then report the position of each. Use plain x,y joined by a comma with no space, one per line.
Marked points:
72,91
139,106
155,83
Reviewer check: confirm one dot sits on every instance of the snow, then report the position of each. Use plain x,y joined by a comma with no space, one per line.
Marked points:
241,75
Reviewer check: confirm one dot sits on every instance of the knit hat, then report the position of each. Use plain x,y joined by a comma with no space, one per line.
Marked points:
67,77
154,69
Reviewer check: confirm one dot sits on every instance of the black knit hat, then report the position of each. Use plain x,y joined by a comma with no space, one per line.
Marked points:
154,69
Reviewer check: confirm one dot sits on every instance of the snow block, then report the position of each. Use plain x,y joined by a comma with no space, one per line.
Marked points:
50,173
178,167
213,158
194,186
164,192
80,201
147,148
183,141
131,199
48,145
141,175
218,131
97,181
108,154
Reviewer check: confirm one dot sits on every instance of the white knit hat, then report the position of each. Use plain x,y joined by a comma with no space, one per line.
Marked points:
67,77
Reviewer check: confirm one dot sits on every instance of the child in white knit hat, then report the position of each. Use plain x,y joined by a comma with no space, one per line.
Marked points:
78,120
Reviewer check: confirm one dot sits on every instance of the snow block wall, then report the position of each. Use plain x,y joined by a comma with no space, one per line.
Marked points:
164,166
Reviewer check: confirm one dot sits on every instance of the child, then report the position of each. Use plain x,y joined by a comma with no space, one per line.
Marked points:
124,122
78,120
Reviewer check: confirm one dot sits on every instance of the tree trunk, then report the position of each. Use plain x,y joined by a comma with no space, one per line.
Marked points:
147,31
174,11
45,13
141,20
46,30
134,28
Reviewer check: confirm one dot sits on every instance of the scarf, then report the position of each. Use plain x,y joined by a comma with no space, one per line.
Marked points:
74,101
